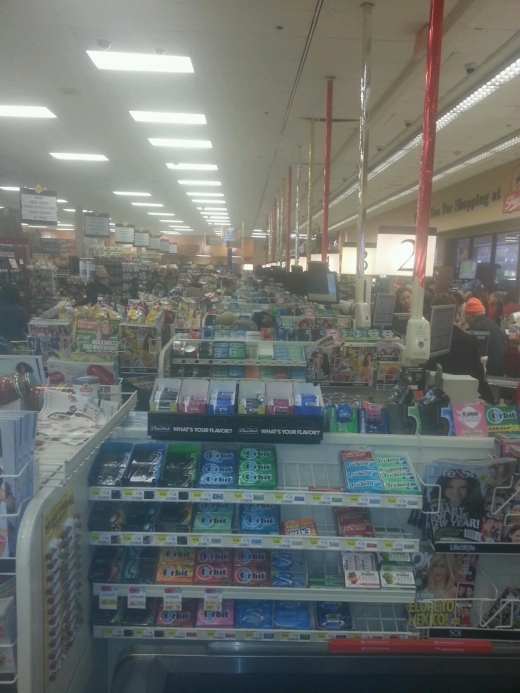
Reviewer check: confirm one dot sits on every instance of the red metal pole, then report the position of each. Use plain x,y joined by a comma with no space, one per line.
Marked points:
433,66
288,243
273,246
326,175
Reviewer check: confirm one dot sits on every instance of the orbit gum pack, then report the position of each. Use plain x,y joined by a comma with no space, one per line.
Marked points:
218,469
213,517
225,618
259,519
257,467
213,567
251,568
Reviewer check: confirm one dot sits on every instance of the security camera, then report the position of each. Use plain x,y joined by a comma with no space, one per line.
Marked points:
159,51
470,68
408,123
104,44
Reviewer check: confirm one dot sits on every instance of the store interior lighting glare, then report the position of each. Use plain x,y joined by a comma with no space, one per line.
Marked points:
192,167
180,144
25,112
69,156
173,118
132,194
140,62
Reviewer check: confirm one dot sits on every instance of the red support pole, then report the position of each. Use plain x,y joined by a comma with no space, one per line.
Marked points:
433,66
273,245
326,175
288,244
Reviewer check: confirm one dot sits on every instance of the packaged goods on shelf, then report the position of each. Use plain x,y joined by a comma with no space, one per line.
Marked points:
218,468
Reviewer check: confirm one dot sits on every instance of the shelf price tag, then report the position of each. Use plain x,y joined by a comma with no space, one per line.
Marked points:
101,493
100,539
136,598
167,494
165,540
172,599
132,539
213,600
108,597
143,632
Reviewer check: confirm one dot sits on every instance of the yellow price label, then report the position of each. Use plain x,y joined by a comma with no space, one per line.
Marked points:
194,539
238,495
95,492
391,500
128,493
210,633
161,494
196,494
313,542
108,631
389,544
353,499
138,632
279,496
161,538
127,538
316,497
236,540
95,537
276,542
351,542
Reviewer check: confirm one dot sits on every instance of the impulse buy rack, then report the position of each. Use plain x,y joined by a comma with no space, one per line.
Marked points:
309,485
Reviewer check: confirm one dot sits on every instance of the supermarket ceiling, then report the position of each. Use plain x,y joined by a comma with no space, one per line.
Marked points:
246,55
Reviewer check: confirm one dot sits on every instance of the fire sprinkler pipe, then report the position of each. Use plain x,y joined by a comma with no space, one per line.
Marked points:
298,192
309,192
288,214
433,65
326,174
363,151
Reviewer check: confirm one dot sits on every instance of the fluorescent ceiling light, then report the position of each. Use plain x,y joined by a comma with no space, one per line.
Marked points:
172,233
112,223
202,255
206,194
179,226
61,202
132,194
215,209
68,210
180,144
193,167
161,117
161,214
140,62
167,221
26,112
78,157
213,202
214,183
88,211
9,188
147,204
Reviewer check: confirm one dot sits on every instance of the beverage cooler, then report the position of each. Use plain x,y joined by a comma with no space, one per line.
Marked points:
97,613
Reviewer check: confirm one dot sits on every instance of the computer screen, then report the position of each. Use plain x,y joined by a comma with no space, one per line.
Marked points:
322,287
468,269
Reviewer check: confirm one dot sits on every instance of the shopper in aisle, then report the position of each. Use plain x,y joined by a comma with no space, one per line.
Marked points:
134,289
95,289
13,318
463,357
478,322
495,309
511,304
403,300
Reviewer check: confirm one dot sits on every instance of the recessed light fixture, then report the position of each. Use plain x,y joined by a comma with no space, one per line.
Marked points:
176,118
161,214
206,194
140,62
61,202
214,183
132,194
193,167
180,144
147,204
66,156
26,112
212,202
9,188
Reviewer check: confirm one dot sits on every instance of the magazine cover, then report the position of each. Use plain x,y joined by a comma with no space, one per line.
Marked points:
140,348
48,336
460,497
97,335
505,612
445,585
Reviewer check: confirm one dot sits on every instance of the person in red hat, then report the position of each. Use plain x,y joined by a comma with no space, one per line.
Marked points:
477,320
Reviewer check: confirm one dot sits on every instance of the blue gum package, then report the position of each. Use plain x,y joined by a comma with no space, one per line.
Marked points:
333,616
254,614
292,615
218,469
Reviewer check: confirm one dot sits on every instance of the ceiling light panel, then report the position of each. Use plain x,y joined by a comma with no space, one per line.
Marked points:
140,62
147,204
192,167
209,183
180,144
61,202
25,112
9,188
78,157
132,194
174,118
206,194
215,209
161,214
213,202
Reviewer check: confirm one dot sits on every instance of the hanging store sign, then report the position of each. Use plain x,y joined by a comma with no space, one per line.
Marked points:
96,225
141,239
396,251
349,258
124,235
173,248
155,243
165,245
38,206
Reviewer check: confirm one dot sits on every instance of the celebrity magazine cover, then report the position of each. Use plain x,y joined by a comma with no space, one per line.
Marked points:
461,498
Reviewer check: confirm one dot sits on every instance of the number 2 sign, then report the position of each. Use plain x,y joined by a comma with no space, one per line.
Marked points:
396,251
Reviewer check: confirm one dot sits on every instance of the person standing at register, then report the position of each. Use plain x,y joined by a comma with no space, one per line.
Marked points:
475,314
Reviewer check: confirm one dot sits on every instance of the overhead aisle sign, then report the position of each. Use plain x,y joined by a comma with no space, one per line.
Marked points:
155,243
124,235
96,225
141,239
38,206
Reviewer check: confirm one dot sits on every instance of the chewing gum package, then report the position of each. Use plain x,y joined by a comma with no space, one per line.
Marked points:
397,576
365,486
249,557
293,615
141,517
185,618
139,617
254,614
333,616
213,573
213,518
304,527
258,474
174,573
175,517
288,569
213,556
106,564
360,570
225,618
218,469
398,486
176,554
139,565
257,575
107,517
259,519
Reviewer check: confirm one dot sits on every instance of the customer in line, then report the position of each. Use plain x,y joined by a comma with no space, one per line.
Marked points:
477,320
511,304
463,357
13,318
